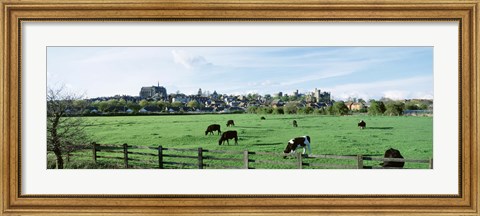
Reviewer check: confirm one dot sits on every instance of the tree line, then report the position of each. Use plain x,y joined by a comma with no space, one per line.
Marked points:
380,107
121,105
383,106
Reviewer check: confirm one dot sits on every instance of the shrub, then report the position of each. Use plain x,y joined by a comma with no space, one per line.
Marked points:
252,109
320,111
290,108
376,108
339,108
278,110
394,108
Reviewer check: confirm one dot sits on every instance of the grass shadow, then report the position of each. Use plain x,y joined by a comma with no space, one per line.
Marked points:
299,126
380,128
368,155
266,144
249,127
250,136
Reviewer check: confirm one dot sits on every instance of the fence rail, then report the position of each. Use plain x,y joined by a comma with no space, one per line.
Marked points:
196,158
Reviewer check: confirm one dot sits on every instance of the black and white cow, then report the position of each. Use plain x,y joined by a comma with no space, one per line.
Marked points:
297,142
392,153
362,124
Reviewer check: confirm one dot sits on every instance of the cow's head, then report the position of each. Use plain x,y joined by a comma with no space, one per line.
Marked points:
393,153
289,147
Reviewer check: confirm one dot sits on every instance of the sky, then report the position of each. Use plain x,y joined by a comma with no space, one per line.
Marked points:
345,72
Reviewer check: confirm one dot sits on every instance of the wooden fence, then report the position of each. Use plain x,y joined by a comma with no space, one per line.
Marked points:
199,158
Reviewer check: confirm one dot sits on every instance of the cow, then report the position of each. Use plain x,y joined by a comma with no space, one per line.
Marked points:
295,123
230,123
362,124
228,135
262,118
392,153
211,128
294,143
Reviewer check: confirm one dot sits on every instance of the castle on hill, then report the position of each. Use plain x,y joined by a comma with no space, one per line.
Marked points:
155,92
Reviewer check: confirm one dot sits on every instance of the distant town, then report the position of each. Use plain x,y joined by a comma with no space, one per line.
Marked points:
156,100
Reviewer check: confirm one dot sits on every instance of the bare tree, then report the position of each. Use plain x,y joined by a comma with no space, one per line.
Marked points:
65,128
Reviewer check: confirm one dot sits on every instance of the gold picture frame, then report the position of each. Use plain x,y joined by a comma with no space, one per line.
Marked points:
14,12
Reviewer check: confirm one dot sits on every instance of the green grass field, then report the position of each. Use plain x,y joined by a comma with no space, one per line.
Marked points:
333,135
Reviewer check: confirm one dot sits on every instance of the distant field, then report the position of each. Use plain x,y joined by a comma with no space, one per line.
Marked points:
335,135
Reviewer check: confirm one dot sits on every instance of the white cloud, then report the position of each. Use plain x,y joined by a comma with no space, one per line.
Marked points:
414,87
422,95
315,77
396,95
419,80
352,94
333,69
267,83
189,61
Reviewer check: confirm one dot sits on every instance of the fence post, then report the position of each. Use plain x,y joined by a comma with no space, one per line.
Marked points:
300,162
430,163
200,158
94,144
125,154
160,157
359,161
245,159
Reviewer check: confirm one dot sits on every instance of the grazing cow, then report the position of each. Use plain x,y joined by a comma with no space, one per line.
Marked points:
294,143
262,118
392,153
295,123
362,124
211,128
228,135
230,123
